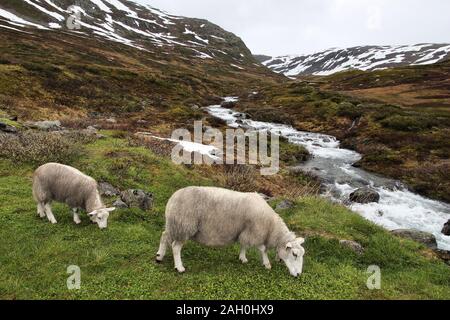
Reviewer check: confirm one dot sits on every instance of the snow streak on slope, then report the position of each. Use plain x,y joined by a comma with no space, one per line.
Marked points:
361,58
126,22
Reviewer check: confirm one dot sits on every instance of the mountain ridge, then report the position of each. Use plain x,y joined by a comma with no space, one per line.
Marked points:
365,58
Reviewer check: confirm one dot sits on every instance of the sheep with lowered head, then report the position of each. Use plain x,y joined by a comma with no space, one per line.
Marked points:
61,183
219,217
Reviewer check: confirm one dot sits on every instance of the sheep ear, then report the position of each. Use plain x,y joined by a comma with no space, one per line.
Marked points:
110,209
301,240
93,213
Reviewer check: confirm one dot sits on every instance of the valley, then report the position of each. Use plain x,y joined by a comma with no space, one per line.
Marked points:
95,97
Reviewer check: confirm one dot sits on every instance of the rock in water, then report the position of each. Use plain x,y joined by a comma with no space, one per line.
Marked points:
228,104
365,195
446,229
138,198
428,239
352,245
106,189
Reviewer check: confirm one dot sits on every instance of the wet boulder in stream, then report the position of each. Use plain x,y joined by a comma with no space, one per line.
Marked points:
446,229
365,195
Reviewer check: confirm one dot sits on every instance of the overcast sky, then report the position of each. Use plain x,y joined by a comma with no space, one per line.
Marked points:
279,27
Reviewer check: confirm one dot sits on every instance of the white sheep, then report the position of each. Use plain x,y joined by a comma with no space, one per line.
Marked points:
218,217
57,182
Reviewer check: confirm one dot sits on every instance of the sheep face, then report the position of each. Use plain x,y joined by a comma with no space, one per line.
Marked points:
292,255
100,217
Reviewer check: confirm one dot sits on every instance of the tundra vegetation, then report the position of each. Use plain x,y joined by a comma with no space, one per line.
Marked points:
398,119
119,262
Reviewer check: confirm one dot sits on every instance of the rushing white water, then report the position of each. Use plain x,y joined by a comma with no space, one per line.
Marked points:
398,208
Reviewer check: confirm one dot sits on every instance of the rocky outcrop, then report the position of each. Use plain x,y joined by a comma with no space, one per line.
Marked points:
427,239
106,189
46,125
137,198
365,195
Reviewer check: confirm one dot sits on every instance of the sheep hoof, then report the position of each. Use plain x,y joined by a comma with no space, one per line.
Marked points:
268,266
158,259
244,261
181,270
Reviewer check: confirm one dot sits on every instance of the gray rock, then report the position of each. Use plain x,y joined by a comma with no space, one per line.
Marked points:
195,107
352,245
228,104
285,204
46,125
428,239
446,229
365,195
106,189
119,204
444,255
111,120
138,198
92,128
7,128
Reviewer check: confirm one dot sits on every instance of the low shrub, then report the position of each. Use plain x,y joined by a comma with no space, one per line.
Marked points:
239,178
408,123
38,148
349,110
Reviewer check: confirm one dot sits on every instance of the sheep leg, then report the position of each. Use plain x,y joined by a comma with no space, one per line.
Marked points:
243,254
162,247
176,249
41,210
49,213
76,216
265,258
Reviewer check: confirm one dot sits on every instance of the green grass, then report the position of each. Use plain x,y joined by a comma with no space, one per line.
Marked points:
119,263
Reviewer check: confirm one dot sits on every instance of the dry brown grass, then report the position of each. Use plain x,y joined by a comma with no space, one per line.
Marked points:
35,147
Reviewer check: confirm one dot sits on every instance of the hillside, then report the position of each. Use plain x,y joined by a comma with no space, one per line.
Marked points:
365,58
140,61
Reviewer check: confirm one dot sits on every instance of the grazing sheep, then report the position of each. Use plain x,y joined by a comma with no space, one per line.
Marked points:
219,217
57,182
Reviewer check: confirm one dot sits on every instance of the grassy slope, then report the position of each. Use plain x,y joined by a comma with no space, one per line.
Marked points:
118,263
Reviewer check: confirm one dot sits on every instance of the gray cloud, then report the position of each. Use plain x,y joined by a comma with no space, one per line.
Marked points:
278,27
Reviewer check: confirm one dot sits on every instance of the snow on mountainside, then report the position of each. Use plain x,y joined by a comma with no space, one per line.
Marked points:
127,22
365,58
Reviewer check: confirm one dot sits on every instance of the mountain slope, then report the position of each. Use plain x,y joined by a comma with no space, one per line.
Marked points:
126,22
124,58
366,58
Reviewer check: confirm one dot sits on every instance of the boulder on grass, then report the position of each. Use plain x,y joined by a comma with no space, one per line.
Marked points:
46,125
427,239
106,189
284,205
138,198
119,204
365,195
352,245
